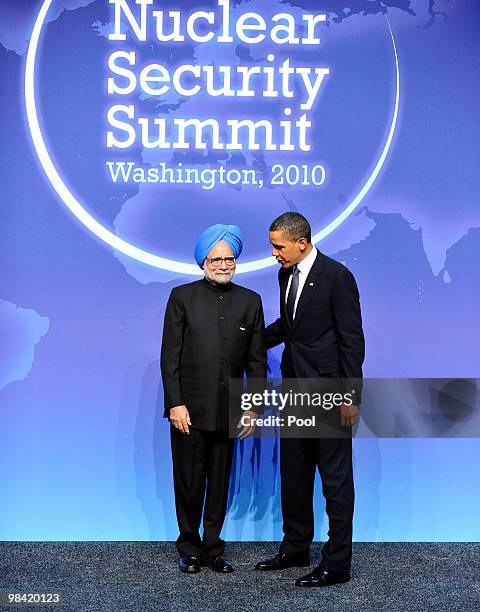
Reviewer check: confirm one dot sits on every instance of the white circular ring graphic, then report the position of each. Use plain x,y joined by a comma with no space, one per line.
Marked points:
122,245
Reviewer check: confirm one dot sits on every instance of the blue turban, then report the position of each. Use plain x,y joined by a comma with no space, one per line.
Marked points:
231,234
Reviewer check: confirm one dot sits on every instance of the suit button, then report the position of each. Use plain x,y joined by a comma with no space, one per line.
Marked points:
222,318
220,297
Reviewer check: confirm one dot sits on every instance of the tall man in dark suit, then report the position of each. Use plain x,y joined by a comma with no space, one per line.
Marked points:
213,330
321,327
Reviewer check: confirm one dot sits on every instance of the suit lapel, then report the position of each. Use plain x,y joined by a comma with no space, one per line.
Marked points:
283,281
309,288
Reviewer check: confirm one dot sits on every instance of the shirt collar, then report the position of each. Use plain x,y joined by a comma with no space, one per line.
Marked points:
217,287
306,264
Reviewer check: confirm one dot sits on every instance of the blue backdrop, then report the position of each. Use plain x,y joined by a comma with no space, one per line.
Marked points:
84,450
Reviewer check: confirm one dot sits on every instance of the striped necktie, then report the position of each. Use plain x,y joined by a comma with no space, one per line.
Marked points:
292,293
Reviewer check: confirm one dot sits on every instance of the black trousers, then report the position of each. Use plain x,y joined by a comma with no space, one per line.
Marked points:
299,459
202,462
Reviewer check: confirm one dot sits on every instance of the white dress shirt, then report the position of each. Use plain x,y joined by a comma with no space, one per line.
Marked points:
304,268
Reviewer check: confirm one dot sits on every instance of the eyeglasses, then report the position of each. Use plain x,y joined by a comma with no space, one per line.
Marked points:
216,262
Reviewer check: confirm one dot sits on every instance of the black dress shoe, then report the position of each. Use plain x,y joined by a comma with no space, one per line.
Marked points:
282,561
189,565
322,577
219,564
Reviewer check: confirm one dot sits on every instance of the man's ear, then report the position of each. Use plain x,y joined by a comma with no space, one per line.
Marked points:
302,243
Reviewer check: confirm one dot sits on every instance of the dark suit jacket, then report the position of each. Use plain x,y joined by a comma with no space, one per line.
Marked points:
211,333
326,338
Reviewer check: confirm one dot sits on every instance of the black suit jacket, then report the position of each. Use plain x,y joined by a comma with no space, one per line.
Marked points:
211,333
326,338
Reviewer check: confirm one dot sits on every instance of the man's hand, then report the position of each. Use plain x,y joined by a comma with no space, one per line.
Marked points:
248,423
180,418
348,415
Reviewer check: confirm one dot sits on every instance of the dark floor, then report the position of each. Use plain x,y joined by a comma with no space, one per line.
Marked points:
121,576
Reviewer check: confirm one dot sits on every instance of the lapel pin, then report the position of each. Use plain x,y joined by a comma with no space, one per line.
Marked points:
311,284
242,328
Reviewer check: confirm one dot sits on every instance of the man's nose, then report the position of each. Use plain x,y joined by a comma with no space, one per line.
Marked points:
223,264
274,251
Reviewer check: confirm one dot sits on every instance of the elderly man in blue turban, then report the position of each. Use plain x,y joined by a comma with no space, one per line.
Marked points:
213,331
